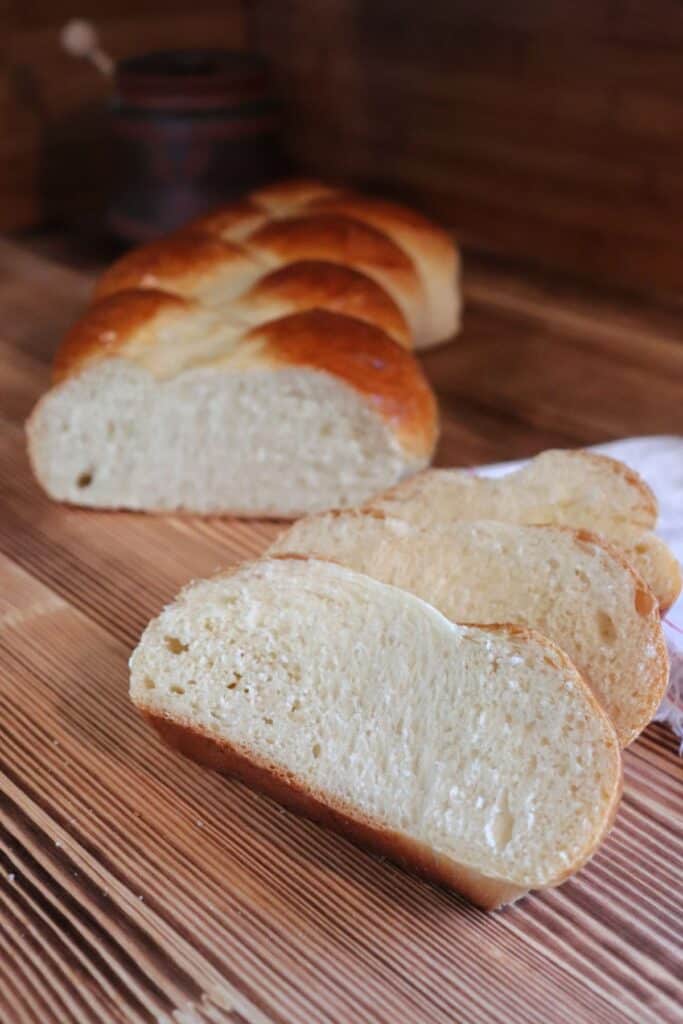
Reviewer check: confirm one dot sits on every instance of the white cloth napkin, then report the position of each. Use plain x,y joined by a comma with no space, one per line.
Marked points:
659,460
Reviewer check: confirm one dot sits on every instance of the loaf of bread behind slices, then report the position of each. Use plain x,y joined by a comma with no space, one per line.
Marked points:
476,756
567,488
183,410
299,224
564,583
254,363
319,248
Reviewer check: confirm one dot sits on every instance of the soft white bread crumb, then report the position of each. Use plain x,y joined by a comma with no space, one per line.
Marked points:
269,442
477,755
566,584
565,488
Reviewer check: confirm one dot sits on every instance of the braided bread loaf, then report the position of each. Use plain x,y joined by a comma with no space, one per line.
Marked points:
254,363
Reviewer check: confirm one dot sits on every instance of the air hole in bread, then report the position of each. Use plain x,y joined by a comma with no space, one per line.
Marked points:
645,602
177,689
501,827
84,479
191,682
267,721
174,645
234,682
606,628
209,625
295,706
149,683
316,750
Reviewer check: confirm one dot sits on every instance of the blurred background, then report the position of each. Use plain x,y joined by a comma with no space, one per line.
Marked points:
548,134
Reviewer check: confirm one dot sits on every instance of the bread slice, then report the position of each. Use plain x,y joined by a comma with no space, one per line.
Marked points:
566,488
182,409
567,584
478,757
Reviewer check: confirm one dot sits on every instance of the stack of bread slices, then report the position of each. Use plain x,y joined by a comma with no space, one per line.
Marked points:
447,670
446,675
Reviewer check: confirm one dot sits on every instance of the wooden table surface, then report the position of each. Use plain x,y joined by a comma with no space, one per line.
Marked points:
135,886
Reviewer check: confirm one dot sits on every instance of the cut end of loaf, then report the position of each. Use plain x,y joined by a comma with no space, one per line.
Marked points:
482,746
269,441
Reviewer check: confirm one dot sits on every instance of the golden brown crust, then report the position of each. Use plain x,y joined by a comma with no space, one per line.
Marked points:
105,328
335,239
228,222
164,264
389,217
222,756
365,358
315,284
291,194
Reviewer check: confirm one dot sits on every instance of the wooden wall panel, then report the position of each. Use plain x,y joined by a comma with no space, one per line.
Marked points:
54,159
551,132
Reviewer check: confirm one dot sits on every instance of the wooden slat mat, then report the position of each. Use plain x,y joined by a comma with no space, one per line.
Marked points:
136,887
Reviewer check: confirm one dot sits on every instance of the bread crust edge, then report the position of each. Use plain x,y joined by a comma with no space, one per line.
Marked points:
484,891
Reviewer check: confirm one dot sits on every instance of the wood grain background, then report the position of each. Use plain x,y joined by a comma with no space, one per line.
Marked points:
135,887
549,133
